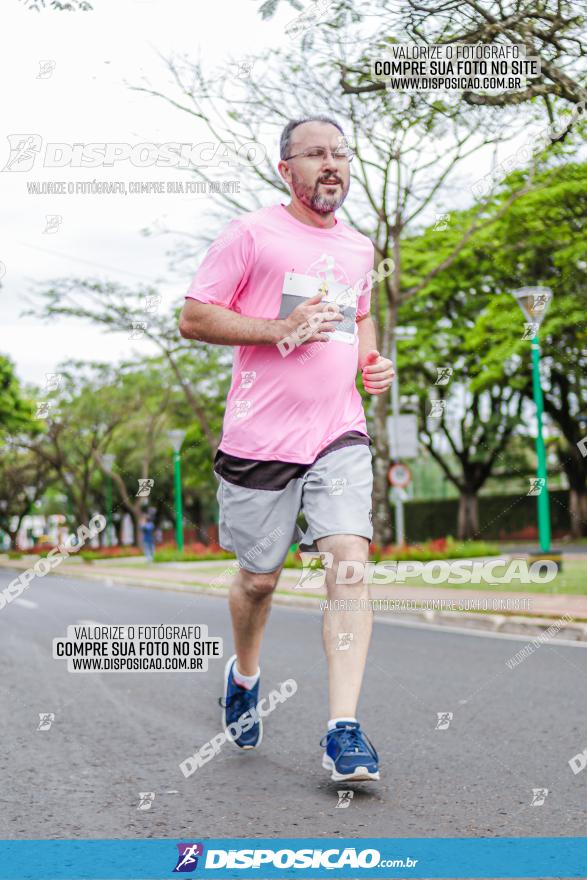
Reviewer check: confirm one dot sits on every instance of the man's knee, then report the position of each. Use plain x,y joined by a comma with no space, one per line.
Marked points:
259,584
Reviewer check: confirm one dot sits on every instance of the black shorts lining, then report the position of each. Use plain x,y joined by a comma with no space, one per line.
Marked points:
275,475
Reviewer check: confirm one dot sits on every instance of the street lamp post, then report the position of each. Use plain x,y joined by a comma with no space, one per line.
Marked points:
108,460
534,302
176,438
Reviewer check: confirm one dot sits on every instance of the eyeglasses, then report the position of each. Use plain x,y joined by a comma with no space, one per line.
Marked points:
342,154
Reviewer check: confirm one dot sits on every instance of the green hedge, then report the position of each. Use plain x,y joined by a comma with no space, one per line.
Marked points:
500,516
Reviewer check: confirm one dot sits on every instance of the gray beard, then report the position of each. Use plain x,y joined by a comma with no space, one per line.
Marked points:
313,199
326,204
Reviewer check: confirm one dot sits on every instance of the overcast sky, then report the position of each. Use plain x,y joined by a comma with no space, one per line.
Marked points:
66,79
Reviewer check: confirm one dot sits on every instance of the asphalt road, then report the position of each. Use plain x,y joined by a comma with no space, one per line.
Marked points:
118,734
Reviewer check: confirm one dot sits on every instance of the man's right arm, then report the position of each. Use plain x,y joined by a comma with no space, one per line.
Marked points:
211,323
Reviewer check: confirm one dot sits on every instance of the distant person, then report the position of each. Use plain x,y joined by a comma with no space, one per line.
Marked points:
148,532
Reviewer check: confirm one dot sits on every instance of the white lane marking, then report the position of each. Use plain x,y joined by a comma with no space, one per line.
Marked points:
26,603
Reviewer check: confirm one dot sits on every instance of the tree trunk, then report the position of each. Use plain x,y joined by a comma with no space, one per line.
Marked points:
578,512
468,518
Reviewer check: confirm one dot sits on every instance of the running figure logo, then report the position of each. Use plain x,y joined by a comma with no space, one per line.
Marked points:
344,799
444,719
23,151
46,719
187,860
313,573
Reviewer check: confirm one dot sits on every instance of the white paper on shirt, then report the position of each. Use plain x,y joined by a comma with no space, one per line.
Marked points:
300,287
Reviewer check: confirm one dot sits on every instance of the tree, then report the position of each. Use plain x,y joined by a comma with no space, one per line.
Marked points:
202,372
469,321
551,30
541,241
23,479
16,412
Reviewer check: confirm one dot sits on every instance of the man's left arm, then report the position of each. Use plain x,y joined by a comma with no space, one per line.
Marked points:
378,372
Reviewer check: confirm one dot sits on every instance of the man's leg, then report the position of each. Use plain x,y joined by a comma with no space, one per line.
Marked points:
249,603
346,631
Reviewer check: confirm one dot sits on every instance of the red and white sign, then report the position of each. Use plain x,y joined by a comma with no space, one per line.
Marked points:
399,476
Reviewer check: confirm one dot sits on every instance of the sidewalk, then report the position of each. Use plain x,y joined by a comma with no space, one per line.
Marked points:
508,612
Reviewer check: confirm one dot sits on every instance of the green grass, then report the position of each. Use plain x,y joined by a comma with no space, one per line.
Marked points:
186,556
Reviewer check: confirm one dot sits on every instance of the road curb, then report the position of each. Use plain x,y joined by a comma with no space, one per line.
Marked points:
492,623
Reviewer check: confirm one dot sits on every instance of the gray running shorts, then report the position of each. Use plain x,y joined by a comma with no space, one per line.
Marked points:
260,501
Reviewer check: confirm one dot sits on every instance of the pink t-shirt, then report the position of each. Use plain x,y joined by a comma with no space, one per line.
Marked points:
287,408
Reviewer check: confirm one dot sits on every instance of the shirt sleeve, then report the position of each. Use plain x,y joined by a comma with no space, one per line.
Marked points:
364,298
224,271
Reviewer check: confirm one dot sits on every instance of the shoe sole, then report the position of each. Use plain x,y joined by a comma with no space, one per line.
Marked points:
227,669
360,774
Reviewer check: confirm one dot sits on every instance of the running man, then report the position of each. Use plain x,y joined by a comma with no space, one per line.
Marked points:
294,435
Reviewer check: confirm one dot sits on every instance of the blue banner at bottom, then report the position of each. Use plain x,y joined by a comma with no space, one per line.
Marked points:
266,858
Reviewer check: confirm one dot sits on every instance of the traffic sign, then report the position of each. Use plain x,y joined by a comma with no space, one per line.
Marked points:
399,476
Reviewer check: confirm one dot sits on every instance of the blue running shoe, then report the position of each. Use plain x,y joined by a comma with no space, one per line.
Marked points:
349,754
237,701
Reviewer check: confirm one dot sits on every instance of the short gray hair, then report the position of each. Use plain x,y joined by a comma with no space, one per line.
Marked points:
285,140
